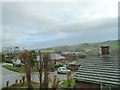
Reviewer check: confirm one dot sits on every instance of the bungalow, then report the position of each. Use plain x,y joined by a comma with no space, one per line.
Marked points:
98,73
57,59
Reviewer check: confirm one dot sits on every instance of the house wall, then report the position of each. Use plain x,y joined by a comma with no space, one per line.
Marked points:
109,87
80,85
61,61
73,67
70,57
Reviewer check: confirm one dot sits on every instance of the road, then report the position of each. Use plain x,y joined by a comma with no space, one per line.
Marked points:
7,75
50,75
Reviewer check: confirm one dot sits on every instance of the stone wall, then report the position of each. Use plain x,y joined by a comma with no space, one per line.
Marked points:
80,85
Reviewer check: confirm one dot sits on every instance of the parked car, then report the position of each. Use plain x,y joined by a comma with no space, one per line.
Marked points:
17,63
62,70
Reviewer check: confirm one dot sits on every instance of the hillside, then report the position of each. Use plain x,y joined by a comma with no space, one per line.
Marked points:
87,46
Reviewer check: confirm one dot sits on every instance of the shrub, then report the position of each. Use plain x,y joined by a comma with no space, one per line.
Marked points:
82,56
57,66
65,83
8,61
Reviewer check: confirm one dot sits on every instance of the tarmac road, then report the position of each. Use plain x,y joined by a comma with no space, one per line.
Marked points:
11,76
50,75
7,75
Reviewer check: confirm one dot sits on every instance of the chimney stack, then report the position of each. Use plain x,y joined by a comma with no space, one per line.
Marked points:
105,51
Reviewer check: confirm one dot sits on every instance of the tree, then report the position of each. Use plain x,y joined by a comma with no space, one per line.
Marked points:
46,58
2,57
69,78
26,58
42,64
39,65
54,82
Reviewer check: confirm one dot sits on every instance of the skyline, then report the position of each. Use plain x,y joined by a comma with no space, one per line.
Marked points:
49,24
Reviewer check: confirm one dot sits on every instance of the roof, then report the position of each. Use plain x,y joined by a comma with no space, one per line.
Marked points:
73,63
55,56
104,45
99,70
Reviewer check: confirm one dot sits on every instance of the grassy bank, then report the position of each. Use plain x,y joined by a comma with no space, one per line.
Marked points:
13,68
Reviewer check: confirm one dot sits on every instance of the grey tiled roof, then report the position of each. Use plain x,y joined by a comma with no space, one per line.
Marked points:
99,70
55,56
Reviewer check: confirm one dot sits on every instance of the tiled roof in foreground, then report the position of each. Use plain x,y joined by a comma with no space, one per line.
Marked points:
99,70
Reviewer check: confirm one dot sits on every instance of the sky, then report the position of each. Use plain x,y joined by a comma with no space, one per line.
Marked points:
41,24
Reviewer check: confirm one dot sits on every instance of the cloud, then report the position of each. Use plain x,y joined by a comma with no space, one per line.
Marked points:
103,32
52,23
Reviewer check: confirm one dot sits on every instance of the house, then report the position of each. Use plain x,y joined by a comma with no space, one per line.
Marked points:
73,65
71,56
102,73
57,59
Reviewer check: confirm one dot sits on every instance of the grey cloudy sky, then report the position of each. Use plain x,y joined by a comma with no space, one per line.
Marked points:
48,24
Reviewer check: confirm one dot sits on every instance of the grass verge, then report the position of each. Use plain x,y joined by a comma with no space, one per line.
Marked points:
13,68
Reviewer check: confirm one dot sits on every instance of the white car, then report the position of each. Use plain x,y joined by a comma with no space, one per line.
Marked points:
17,63
63,70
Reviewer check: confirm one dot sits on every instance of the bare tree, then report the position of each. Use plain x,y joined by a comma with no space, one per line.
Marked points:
46,58
54,82
26,57
39,65
69,78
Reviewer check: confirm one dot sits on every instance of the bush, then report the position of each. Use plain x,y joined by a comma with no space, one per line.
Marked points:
52,70
8,61
57,66
0,57
82,56
64,83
